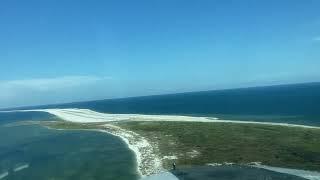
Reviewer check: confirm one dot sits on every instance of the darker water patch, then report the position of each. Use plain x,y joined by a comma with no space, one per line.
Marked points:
234,172
295,103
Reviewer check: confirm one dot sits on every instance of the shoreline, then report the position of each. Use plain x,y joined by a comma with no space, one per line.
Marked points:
141,147
89,116
310,175
148,162
132,145
141,150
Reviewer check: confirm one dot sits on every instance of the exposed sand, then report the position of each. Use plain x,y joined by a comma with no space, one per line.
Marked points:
170,157
89,116
161,176
148,163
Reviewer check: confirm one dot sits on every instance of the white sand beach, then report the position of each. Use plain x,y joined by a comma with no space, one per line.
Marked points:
161,176
310,175
148,163
89,116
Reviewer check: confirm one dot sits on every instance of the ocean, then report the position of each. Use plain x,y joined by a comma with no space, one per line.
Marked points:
294,103
35,152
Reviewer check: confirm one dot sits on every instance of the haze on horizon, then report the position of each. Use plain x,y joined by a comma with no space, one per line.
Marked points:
66,51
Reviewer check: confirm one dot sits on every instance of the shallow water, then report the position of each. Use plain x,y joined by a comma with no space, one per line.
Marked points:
48,154
34,152
233,172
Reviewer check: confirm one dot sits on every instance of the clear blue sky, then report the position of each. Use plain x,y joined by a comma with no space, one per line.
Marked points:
54,51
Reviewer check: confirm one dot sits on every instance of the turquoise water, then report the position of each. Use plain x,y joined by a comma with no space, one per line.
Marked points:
50,154
296,103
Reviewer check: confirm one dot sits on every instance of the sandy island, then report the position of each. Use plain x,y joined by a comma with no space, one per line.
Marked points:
149,162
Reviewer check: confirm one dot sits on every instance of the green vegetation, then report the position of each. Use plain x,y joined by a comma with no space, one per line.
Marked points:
71,125
239,143
196,143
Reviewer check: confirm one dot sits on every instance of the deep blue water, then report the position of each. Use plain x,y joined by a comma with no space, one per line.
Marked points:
23,116
296,103
93,155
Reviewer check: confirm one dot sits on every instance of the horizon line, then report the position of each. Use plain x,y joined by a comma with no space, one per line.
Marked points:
186,92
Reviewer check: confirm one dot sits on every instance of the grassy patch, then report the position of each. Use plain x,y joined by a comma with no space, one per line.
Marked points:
201,143
196,143
71,125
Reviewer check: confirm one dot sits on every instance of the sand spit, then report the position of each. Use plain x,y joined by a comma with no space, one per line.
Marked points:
89,116
147,161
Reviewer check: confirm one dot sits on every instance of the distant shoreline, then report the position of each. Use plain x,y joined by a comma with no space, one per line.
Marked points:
150,170
276,87
87,119
89,116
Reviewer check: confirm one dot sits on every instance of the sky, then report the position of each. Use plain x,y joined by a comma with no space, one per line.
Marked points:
57,51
